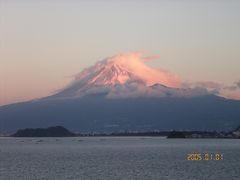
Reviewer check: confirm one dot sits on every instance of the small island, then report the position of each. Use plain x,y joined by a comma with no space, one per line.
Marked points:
55,131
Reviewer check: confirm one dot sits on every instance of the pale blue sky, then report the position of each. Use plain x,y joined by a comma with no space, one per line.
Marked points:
44,42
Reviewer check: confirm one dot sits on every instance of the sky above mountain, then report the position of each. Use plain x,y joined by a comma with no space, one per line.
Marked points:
44,44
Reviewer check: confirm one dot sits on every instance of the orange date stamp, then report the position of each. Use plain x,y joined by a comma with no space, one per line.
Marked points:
205,157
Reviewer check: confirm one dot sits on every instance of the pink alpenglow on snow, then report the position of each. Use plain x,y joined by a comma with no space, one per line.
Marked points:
121,68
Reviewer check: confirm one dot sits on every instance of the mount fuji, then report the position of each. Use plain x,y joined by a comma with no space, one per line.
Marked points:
122,93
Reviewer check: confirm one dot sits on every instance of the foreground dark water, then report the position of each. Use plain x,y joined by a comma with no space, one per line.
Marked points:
116,158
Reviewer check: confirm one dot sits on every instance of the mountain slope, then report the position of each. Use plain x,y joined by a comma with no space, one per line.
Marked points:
100,114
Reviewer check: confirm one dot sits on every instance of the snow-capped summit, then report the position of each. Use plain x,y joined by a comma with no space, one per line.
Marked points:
126,67
124,70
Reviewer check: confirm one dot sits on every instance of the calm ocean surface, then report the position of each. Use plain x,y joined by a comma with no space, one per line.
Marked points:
111,158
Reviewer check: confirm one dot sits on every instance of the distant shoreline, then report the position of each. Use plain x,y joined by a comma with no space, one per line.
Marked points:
59,131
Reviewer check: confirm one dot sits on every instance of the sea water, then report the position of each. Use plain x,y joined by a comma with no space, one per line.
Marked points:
111,158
